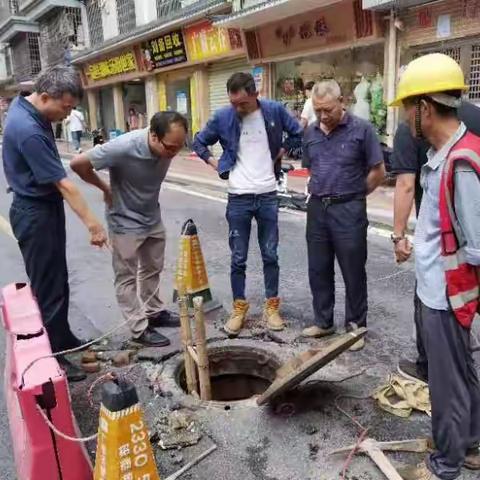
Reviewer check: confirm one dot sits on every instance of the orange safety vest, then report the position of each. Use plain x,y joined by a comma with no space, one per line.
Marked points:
463,291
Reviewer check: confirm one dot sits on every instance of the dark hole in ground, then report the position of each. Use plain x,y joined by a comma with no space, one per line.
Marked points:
237,372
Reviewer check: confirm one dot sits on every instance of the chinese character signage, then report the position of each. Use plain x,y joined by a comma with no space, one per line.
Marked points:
109,67
163,51
205,41
325,27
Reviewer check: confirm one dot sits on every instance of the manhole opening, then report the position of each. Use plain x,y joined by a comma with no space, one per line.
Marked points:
237,372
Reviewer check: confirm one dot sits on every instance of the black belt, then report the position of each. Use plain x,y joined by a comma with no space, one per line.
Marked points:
333,199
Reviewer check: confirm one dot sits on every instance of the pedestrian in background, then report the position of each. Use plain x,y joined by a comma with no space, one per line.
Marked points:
35,174
76,122
138,162
308,116
250,132
447,261
345,160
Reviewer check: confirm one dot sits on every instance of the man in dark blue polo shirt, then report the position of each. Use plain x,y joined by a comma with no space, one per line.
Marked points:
36,176
345,161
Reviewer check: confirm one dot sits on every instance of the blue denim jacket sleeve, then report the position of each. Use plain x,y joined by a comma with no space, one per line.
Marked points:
290,125
205,138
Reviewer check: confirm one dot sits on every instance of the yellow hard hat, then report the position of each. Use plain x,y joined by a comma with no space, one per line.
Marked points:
433,73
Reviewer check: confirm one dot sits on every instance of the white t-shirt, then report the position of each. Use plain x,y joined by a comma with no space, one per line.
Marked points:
253,171
308,112
76,120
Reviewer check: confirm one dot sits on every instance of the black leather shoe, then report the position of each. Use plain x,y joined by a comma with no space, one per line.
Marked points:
164,319
72,371
152,338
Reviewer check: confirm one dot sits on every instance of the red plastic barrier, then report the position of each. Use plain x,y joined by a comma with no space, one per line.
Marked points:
40,454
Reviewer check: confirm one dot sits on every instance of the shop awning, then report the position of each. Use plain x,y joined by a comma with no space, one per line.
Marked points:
387,4
15,25
270,11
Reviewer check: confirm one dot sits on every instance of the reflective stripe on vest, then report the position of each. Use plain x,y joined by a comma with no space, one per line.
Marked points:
461,278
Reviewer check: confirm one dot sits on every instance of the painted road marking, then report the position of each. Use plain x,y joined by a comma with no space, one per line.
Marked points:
6,228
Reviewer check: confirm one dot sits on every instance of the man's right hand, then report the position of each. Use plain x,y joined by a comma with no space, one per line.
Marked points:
98,235
213,163
403,250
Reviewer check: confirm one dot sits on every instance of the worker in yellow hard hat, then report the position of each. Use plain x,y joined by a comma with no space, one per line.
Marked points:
447,261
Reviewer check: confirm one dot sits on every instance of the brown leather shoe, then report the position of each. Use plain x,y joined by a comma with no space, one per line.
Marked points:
472,459
271,314
237,318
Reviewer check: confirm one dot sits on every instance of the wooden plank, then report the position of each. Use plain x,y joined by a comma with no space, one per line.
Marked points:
201,350
371,448
419,445
310,366
186,333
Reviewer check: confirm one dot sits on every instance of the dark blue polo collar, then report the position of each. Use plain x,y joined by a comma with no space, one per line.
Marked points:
24,103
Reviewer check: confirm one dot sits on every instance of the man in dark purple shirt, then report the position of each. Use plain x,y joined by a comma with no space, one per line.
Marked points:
345,161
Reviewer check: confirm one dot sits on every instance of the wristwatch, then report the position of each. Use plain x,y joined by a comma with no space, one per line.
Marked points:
397,238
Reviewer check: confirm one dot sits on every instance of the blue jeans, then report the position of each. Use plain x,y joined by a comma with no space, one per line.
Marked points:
241,209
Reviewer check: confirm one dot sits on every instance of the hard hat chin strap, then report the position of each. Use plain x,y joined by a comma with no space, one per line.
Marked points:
418,120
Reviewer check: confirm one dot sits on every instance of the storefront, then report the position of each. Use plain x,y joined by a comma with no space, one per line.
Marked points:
340,41
449,27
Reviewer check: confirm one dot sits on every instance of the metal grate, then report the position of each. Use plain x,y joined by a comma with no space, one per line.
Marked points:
60,34
474,91
95,27
26,56
172,9
126,16
452,52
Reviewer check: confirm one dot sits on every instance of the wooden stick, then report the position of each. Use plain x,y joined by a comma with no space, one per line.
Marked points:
193,354
419,445
202,352
186,333
370,447
189,465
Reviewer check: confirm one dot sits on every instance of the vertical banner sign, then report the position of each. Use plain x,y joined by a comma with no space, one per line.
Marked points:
163,51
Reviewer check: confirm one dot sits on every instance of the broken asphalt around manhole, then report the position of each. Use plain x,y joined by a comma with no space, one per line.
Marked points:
287,439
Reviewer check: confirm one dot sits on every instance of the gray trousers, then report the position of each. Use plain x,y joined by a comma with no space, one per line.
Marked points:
454,390
137,263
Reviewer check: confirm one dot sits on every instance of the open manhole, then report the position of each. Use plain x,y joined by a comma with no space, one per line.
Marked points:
236,372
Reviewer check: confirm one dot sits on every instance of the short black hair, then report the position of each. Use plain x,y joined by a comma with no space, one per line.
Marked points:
309,85
441,109
161,121
241,81
58,80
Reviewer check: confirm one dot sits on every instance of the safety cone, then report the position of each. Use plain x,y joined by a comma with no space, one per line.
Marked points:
191,277
124,451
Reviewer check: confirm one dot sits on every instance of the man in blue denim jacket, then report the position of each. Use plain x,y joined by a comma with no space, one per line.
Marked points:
250,132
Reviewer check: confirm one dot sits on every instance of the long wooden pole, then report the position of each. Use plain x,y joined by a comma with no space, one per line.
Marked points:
186,333
202,353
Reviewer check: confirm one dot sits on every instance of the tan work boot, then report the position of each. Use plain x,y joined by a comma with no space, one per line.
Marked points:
420,472
271,314
237,318
317,332
359,344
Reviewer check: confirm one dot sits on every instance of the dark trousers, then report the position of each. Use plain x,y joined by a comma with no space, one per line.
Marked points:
241,209
454,390
422,360
337,231
39,227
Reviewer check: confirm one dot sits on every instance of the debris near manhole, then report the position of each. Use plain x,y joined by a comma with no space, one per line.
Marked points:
313,450
189,465
309,429
92,367
110,355
122,359
177,429
89,357
401,396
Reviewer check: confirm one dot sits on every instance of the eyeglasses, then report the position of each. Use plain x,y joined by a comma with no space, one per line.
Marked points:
170,148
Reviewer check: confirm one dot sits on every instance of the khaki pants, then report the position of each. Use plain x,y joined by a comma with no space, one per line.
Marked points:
137,263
